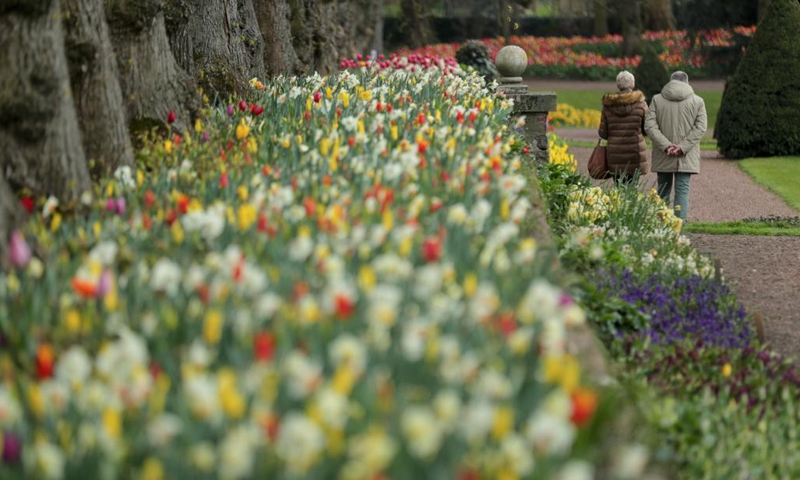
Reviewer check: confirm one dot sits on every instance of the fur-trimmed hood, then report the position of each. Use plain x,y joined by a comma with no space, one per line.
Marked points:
623,98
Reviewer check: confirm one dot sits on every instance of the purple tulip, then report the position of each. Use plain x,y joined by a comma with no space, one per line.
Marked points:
111,205
19,250
104,286
12,448
206,137
231,109
121,206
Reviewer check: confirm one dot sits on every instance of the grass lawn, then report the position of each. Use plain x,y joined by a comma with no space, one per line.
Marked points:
593,99
786,228
707,143
779,174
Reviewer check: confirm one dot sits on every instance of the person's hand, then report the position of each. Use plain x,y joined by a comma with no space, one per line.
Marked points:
674,151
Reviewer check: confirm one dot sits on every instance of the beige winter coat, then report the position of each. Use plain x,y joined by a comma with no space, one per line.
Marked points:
677,116
622,125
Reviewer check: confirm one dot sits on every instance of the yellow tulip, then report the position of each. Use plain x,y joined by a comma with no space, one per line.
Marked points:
212,327
242,130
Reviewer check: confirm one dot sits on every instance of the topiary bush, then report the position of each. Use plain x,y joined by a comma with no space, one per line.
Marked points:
475,54
652,74
760,111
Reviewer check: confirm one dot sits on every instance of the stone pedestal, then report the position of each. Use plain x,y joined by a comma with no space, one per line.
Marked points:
511,62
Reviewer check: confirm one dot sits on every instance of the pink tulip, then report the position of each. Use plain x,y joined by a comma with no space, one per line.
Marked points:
19,250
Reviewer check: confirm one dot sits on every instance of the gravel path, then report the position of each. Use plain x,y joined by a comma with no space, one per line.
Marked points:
722,192
764,272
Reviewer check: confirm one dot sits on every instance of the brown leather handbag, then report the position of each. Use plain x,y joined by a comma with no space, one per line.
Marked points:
598,164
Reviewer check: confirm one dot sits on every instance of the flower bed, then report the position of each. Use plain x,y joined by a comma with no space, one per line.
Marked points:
599,58
704,384
569,116
329,282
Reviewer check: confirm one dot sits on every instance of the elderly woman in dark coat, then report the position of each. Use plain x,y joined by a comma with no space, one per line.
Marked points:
622,125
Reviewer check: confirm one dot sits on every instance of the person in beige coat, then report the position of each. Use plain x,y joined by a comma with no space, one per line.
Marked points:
676,123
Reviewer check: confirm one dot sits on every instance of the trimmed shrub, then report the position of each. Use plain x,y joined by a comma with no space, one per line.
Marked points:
652,74
475,54
760,111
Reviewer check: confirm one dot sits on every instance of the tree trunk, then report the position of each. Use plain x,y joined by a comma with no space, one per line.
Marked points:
763,6
153,84
319,36
600,18
40,143
218,42
659,15
377,37
95,86
504,19
415,13
11,216
632,28
274,19
358,19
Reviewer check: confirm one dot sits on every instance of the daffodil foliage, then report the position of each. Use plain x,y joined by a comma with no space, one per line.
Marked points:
330,282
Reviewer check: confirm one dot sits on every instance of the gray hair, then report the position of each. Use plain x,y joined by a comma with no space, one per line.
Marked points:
680,76
626,80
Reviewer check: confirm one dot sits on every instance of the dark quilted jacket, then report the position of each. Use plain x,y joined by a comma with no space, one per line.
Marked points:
623,126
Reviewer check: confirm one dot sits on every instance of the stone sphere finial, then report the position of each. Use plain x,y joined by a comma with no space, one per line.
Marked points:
511,62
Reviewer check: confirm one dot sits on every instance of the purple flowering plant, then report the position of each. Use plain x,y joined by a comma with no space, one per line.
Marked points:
665,309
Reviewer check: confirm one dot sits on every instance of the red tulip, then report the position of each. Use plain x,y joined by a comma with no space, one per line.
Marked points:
27,204
345,307
432,249
171,117
584,403
45,360
264,347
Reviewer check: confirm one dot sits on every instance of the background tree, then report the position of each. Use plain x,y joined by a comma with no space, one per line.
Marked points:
40,142
600,10
95,85
415,14
274,20
153,84
631,15
763,6
218,42
652,74
660,15
359,19
760,111
707,14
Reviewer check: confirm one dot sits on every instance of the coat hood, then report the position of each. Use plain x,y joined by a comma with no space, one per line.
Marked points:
623,98
677,91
